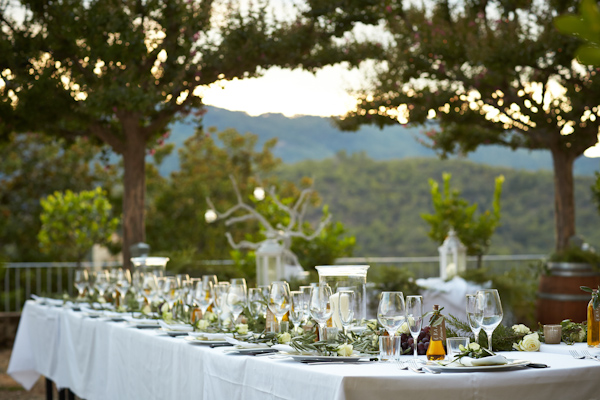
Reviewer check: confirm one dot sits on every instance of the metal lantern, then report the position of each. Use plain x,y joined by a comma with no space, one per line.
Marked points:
269,262
453,256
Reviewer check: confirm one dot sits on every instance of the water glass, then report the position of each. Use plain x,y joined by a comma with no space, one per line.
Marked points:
389,348
489,301
391,312
453,345
474,315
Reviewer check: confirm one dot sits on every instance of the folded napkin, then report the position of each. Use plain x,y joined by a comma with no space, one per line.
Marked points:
210,336
175,327
245,345
479,362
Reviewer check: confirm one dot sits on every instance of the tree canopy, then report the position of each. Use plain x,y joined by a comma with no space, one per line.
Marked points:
487,73
120,70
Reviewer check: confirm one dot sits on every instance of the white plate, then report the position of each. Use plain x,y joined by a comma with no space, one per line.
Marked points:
479,368
193,340
301,358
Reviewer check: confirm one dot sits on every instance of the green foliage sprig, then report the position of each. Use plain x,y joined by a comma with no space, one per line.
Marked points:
594,292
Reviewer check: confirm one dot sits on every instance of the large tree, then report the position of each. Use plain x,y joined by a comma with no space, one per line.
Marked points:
489,73
121,70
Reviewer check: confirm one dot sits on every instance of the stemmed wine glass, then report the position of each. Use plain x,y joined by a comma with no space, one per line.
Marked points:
220,300
237,297
391,312
81,281
347,301
279,300
257,303
123,282
320,306
297,308
414,317
489,301
474,315
306,290
204,293
102,282
149,287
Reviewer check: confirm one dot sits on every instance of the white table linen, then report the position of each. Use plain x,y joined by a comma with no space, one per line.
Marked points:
99,359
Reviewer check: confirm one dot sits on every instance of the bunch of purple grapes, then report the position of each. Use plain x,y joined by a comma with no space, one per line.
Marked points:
422,342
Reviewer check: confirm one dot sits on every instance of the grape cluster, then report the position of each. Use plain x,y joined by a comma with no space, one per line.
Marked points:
422,342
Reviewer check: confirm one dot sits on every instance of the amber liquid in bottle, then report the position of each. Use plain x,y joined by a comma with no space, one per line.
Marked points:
437,333
593,324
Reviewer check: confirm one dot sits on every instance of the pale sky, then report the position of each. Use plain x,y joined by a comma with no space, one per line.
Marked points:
289,92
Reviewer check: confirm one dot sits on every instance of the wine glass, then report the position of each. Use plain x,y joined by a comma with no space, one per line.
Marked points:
320,306
306,290
169,289
237,297
391,312
149,287
204,294
81,281
489,301
257,302
414,318
474,315
347,302
279,300
102,282
123,281
220,299
297,308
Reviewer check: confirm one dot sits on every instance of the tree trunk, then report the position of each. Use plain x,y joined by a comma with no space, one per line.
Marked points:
564,198
134,186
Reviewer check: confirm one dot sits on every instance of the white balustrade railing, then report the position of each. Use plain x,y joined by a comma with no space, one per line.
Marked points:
21,280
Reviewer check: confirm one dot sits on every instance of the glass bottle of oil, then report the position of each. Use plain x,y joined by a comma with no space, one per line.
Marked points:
593,322
437,333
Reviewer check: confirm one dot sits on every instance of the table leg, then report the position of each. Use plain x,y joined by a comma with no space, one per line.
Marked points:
62,394
49,389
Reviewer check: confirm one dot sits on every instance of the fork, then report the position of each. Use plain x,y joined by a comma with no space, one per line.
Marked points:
587,354
576,355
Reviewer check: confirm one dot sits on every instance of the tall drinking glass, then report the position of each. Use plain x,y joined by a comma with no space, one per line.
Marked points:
220,300
346,309
237,297
391,312
320,306
306,290
414,318
297,308
123,281
474,315
279,300
489,301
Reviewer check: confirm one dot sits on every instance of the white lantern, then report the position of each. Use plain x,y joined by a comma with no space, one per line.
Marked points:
453,256
269,262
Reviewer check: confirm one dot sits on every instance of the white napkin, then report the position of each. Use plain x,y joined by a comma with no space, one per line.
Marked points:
175,327
210,336
245,345
478,362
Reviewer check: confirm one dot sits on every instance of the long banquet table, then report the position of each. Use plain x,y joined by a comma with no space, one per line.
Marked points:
99,359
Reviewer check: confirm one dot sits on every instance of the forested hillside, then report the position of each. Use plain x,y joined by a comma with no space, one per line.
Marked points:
381,201
315,138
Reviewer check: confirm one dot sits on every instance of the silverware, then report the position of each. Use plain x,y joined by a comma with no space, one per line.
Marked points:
576,355
587,354
420,369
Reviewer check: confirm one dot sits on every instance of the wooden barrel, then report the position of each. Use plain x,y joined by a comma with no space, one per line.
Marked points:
559,296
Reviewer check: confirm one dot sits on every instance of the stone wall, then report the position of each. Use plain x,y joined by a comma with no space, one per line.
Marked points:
8,328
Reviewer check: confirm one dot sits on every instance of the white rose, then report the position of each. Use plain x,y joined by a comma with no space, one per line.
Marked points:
242,329
203,324
146,310
345,350
521,329
210,316
164,308
474,346
284,338
530,342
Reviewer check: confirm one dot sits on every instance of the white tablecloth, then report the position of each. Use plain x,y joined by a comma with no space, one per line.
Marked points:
98,359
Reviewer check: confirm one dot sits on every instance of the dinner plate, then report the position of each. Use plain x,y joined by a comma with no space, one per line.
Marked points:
479,368
193,340
314,358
